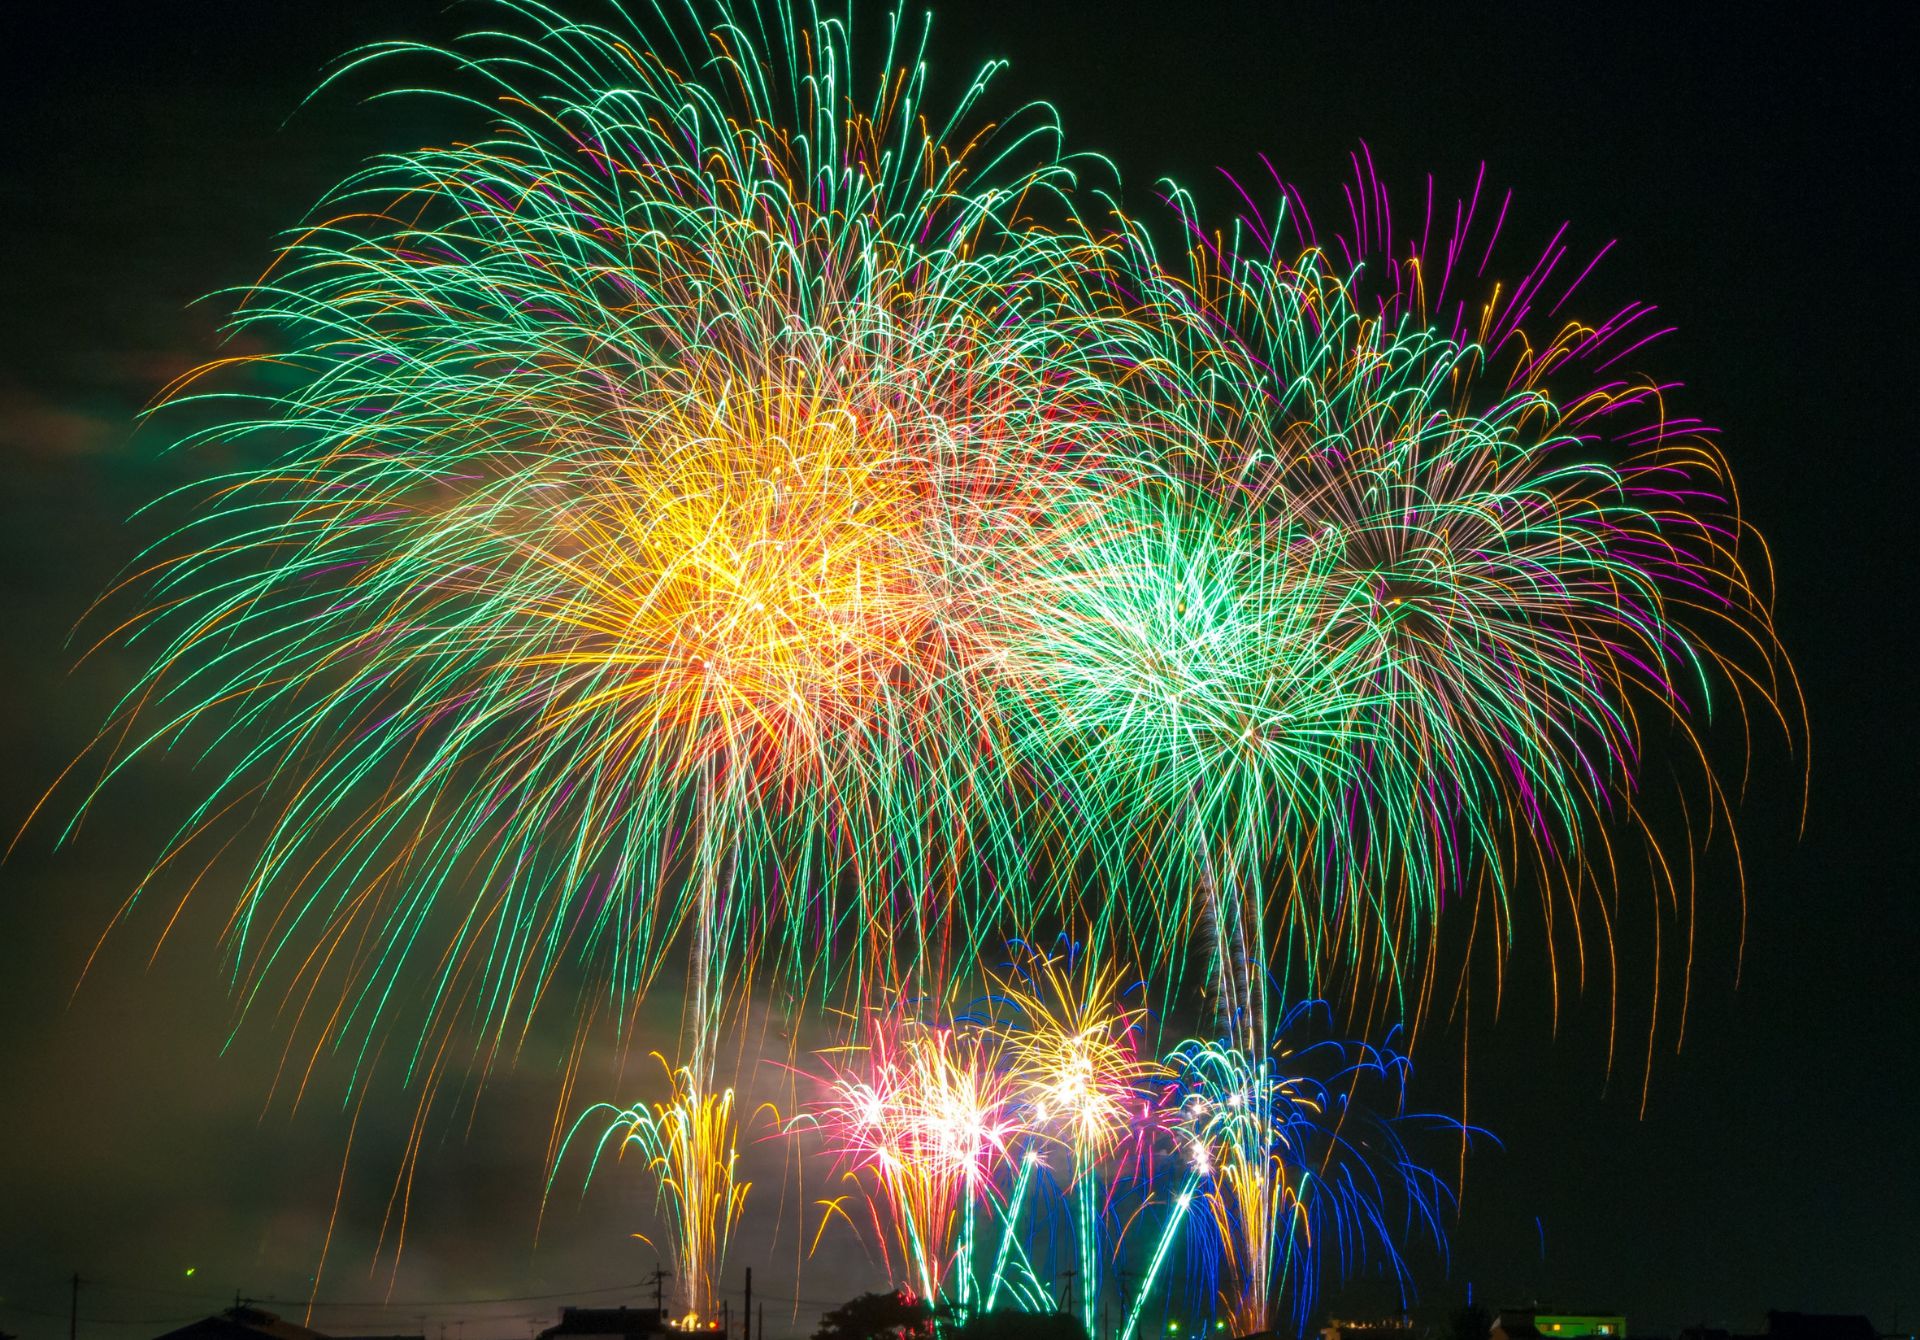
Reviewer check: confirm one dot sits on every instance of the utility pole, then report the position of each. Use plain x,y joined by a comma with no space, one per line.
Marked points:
1129,1304
658,1276
1067,1293
762,1324
726,1319
746,1310
73,1309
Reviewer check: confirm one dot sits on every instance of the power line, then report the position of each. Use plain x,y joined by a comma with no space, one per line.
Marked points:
219,1302
217,1299
99,1321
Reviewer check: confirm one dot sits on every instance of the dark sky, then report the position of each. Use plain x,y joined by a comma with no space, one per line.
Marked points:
1759,177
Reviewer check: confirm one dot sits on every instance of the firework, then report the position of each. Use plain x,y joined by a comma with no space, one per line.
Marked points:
1538,564
1381,620
1077,1058
709,497
987,1115
1300,1161
920,1118
691,1146
597,553
1173,667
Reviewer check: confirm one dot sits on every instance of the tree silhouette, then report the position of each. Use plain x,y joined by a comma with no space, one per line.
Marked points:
877,1316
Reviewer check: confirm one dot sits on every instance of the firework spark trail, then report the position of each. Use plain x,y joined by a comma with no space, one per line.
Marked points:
1175,1220
919,1117
1386,625
600,550
1010,1224
673,478
736,500
1300,1163
691,1145
1076,1055
941,1105
1303,1165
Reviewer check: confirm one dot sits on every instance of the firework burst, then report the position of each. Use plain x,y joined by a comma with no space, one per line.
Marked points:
920,1118
595,559
1299,1163
691,1146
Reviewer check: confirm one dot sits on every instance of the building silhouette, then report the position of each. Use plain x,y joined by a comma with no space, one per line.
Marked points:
606,1323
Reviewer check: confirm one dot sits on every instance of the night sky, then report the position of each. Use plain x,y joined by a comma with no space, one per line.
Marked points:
1759,180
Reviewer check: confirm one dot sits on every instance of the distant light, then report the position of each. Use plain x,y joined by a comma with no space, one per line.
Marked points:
190,1270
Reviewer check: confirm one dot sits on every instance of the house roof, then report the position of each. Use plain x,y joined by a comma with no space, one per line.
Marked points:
256,1323
243,1323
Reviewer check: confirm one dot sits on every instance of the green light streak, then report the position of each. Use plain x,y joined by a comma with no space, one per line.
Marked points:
1174,1220
1010,1226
